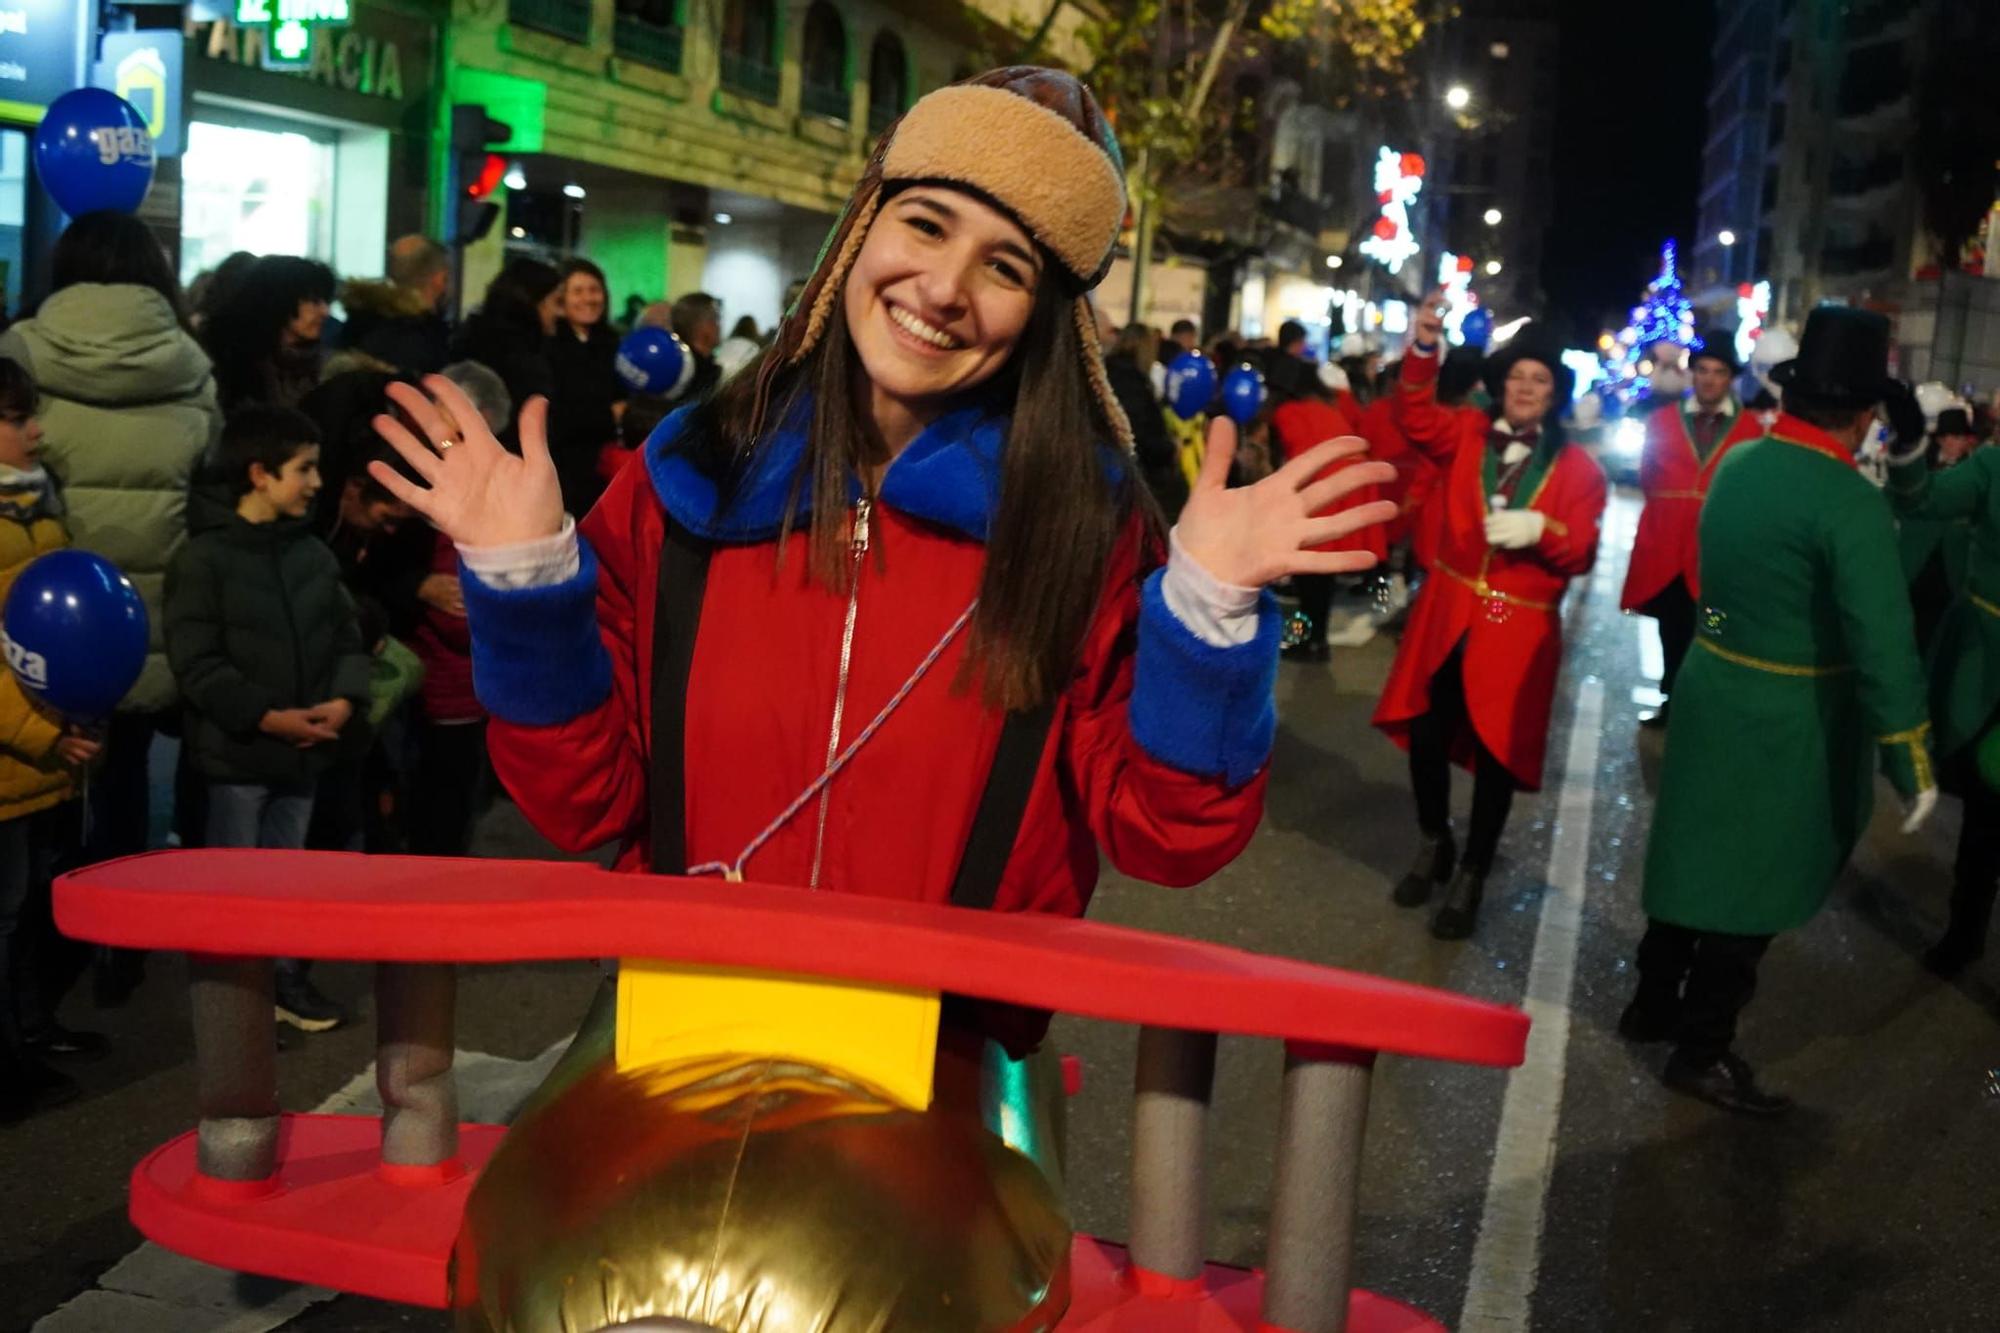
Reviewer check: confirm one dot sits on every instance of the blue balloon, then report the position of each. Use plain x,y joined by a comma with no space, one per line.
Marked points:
1477,326
655,361
1190,385
74,631
1242,394
93,153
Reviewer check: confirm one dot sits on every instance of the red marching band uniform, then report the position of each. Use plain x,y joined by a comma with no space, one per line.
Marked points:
1675,480
1304,422
1504,605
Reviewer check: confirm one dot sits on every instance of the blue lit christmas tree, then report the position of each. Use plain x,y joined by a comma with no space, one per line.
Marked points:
1663,315
1666,315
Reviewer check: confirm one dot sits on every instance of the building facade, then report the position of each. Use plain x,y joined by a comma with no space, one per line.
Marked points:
698,144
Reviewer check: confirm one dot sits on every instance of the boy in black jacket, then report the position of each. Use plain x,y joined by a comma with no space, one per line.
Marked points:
263,640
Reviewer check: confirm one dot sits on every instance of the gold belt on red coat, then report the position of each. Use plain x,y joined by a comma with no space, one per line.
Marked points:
1675,495
1499,605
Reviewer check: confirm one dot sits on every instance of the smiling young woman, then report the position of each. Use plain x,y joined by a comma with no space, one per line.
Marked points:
890,613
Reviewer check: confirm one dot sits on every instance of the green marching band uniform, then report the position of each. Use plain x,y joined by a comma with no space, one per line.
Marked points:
1781,686
1965,657
1804,676
1964,682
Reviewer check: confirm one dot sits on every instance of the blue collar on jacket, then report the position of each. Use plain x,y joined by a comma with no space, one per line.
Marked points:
949,474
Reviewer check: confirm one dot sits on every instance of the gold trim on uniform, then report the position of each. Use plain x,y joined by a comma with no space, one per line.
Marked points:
1989,608
1765,664
1488,592
1920,754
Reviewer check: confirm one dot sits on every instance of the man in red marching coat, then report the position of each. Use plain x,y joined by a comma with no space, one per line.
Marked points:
1685,441
1475,675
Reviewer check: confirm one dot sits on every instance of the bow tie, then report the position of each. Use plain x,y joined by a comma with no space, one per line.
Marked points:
1501,435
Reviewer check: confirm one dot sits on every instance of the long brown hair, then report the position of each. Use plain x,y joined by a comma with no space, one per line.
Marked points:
1065,493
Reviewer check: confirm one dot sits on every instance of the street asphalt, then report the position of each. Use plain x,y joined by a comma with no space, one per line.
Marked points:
1873,1207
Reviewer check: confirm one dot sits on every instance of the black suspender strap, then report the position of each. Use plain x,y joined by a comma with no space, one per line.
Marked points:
1001,806
682,576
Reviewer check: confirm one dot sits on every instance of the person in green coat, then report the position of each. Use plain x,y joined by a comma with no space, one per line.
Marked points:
1935,549
1804,676
1964,679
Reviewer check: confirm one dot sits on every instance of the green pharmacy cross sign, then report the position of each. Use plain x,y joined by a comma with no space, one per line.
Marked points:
292,21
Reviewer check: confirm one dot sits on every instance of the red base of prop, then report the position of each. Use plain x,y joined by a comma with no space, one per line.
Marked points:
1229,1300
335,1220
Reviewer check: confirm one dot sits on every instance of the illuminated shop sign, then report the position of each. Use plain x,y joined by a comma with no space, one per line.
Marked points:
291,22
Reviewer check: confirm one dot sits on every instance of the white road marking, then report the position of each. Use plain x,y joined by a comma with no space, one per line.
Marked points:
159,1291
1507,1256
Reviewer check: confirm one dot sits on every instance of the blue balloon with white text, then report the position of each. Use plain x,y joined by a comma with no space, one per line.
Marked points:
655,361
1477,326
1242,394
93,153
1190,385
75,633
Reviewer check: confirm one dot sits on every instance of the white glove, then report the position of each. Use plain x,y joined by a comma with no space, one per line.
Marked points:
1918,809
1515,529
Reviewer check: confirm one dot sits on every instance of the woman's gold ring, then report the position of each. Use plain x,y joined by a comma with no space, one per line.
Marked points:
446,443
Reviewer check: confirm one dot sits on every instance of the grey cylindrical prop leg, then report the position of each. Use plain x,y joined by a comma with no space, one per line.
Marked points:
236,1066
1169,1145
415,1005
1311,1256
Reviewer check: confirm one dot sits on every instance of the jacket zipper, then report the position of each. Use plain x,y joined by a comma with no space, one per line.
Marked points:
857,547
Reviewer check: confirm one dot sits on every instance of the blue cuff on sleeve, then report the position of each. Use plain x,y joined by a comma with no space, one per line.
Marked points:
537,659
1202,709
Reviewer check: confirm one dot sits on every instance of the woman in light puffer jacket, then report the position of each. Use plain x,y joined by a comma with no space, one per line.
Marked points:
128,411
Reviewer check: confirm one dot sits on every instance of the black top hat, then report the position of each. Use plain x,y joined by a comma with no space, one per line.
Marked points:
1716,345
1843,358
1530,344
1954,421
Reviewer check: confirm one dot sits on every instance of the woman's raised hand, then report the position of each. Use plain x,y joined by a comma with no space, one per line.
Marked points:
1254,535
475,492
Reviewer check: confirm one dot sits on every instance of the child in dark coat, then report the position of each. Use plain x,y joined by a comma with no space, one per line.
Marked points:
263,640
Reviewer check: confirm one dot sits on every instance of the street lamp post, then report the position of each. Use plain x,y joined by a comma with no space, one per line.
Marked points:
1458,97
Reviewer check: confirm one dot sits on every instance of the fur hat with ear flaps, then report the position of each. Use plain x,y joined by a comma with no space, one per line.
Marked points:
1028,140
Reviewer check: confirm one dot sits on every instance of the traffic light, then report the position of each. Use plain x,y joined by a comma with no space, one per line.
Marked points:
476,169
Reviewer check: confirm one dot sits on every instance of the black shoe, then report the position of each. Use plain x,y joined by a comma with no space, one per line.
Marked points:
1459,911
1306,650
1436,855
1644,1025
65,1044
1725,1081
1653,719
1953,953
301,1005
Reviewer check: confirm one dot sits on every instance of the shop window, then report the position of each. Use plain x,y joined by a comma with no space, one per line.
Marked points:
271,192
650,31
13,214
824,60
888,82
562,18
750,48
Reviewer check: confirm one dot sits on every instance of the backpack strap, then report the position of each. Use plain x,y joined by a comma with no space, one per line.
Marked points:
681,580
1002,804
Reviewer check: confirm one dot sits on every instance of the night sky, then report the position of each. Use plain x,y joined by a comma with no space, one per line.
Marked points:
1630,122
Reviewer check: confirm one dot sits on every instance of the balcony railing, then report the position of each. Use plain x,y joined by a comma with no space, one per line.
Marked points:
563,18
824,100
752,78
652,43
